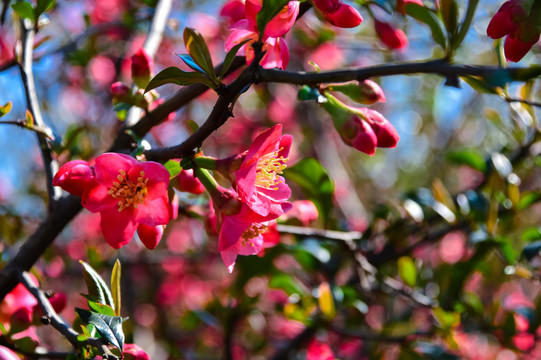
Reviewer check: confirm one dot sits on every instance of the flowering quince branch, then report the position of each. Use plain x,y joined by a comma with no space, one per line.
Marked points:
23,123
50,165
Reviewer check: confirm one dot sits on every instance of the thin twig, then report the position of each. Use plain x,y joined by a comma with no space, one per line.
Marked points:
24,124
524,101
58,323
27,77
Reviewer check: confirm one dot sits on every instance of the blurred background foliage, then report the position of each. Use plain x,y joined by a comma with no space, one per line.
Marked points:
440,254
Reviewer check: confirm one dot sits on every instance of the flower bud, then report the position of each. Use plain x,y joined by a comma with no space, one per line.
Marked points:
141,68
384,130
392,37
358,134
401,5
327,6
188,183
344,16
142,100
121,93
371,92
516,49
134,352
21,319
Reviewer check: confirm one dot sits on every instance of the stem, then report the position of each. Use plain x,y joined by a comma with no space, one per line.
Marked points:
205,162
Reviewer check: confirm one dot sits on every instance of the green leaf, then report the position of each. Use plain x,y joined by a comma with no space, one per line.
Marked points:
465,26
24,10
407,270
429,17
527,199
269,10
287,283
173,75
101,308
198,50
29,119
187,59
479,85
173,167
43,6
449,13
230,56
97,288
470,157
5,109
26,344
446,319
109,327
316,184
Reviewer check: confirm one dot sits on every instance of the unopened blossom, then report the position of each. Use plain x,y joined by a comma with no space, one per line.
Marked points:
120,92
134,352
185,181
338,13
129,195
258,180
141,68
521,29
392,37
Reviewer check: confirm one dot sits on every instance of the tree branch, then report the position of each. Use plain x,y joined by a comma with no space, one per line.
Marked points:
27,77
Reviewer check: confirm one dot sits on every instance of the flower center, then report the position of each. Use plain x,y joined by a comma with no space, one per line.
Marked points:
128,193
253,231
269,166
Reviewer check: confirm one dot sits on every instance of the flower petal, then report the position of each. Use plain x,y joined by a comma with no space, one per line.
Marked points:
150,235
118,227
108,167
74,177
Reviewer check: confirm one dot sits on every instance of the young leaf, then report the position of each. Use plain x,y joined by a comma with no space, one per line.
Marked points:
96,286
173,167
29,119
188,60
427,16
197,48
407,270
115,286
109,327
43,6
470,12
100,308
316,184
449,12
24,10
269,9
173,75
230,56
5,109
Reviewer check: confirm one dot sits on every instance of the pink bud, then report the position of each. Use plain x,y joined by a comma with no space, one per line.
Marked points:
327,6
386,134
141,68
121,92
371,92
392,37
21,319
505,21
134,352
188,183
358,134
345,16
58,301
515,49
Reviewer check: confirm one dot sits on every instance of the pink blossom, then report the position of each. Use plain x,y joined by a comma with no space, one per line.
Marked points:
319,351
513,21
304,210
280,24
129,195
141,68
234,10
7,354
120,92
392,37
276,50
339,14
134,352
258,179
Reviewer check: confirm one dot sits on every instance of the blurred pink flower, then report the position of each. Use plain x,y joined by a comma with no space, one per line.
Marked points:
233,10
7,354
319,351
134,352
339,14
128,194
304,210
141,68
280,24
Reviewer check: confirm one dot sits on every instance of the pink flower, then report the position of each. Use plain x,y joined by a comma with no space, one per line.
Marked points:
134,352
520,28
141,68
258,179
234,10
276,50
7,354
120,92
129,195
392,37
280,24
242,233
303,210
338,13
319,351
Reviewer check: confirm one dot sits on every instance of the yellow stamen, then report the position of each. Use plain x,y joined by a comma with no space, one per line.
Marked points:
269,167
127,192
253,231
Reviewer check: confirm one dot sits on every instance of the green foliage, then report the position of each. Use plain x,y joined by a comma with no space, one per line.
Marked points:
5,109
109,327
173,167
269,9
97,288
430,18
